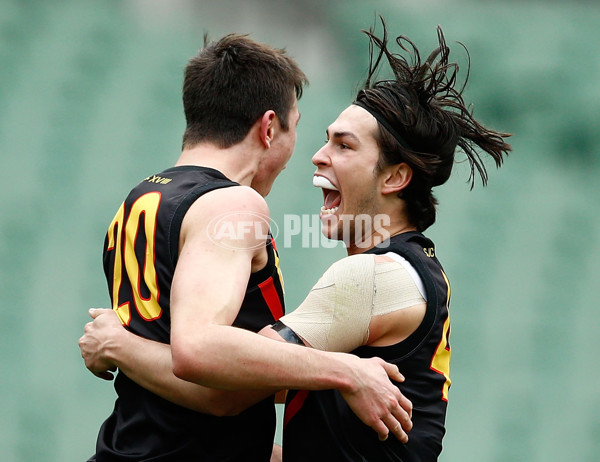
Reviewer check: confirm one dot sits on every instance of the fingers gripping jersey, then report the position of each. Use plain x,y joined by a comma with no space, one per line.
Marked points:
319,425
140,256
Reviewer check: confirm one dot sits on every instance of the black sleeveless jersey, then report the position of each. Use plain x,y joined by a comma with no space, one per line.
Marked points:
140,255
320,425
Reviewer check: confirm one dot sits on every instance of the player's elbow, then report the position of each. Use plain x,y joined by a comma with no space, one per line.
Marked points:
194,359
185,365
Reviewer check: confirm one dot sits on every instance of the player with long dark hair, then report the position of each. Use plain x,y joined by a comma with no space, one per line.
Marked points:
390,297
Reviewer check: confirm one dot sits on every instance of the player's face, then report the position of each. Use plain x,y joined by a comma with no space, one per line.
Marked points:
348,161
282,148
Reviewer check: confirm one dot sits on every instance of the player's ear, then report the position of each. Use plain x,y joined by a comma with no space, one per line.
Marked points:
267,128
396,178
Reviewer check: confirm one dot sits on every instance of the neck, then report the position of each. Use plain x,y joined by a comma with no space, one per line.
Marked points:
381,231
238,163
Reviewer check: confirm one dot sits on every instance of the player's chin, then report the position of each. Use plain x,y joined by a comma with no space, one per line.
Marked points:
327,228
331,228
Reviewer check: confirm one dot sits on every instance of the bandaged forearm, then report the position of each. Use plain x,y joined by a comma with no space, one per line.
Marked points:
336,314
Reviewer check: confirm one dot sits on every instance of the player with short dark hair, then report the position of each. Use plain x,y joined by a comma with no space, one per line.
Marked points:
174,279
259,77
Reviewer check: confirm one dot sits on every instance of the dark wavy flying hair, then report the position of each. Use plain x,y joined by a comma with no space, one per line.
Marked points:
423,119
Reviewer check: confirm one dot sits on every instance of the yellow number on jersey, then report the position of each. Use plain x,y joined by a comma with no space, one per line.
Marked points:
146,206
441,359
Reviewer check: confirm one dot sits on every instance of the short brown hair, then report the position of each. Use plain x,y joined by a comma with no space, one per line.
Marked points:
230,83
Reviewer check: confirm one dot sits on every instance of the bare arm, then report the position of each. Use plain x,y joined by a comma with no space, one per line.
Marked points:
204,345
107,345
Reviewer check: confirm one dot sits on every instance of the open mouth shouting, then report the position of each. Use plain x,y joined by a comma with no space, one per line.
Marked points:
331,195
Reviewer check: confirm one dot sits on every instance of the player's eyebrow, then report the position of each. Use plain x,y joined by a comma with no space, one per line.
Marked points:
343,134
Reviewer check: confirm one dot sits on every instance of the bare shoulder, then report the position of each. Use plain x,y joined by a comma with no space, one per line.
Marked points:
231,199
235,217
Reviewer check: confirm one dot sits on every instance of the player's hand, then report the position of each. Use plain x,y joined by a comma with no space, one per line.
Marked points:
97,335
378,402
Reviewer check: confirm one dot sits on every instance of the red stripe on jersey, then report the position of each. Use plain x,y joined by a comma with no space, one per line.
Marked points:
294,405
269,293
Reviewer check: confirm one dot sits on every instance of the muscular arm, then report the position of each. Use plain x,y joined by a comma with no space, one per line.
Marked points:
207,291
106,345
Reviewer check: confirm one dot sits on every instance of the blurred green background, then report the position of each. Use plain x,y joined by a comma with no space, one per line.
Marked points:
90,105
